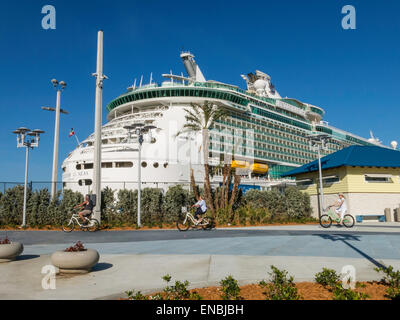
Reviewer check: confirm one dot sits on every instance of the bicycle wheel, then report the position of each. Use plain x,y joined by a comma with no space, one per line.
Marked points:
93,225
210,223
68,225
348,221
325,221
183,225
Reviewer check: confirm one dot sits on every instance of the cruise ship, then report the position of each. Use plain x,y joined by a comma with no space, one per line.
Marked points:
263,135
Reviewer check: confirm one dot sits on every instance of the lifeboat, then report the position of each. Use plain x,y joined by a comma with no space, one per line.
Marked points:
259,168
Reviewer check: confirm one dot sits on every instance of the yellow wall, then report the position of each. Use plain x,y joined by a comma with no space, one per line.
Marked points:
357,183
352,180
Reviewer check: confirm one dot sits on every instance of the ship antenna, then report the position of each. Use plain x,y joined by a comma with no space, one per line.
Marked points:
134,84
141,80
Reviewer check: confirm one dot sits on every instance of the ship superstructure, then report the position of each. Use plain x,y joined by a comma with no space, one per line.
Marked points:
263,131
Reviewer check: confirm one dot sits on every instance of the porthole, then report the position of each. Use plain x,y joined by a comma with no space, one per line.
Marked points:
166,165
155,164
144,164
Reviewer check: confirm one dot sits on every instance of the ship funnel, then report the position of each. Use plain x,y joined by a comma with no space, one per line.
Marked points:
191,67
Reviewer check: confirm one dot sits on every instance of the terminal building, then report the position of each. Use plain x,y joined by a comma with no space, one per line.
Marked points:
368,177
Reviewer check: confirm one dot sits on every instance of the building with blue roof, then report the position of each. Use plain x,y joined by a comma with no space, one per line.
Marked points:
368,177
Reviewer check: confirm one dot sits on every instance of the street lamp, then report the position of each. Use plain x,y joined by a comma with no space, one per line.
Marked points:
59,86
28,139
317,143
139,129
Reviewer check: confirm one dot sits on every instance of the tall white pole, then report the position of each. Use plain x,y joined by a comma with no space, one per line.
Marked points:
139,184
25,187
320,182
97,127
55,151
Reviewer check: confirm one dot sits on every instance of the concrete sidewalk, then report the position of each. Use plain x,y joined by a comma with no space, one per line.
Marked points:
117,273
130,262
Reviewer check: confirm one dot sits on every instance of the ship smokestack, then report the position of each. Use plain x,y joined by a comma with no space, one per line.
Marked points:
191,67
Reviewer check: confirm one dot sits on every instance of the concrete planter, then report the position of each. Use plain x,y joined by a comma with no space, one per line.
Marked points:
75,262
9,252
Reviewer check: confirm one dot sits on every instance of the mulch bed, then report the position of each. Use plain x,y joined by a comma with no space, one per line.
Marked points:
307,290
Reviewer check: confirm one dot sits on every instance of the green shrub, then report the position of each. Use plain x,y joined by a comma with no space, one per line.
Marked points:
392,279
132,295
280,287
339,293
327,278
178,291
175,198
230,289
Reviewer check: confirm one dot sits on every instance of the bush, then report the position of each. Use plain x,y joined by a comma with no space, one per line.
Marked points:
175,198
392,279
179,291
151,205
230,289
331,280
327,278
339,293
280,286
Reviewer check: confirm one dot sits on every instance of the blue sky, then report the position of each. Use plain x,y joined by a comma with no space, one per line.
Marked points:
352,74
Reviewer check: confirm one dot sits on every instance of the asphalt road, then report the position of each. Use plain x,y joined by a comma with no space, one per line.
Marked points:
59,237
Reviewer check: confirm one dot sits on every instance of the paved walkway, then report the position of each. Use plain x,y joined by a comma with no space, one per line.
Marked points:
135,260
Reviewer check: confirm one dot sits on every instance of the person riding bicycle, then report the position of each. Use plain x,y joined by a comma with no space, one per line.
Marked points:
341,207
87,206
201,209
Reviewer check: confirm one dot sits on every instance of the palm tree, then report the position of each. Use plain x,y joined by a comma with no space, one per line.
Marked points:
200,118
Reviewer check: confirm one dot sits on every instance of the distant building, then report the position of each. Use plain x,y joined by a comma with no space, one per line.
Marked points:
368,177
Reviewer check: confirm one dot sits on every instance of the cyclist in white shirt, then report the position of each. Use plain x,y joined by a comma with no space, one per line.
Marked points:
201,209
341,207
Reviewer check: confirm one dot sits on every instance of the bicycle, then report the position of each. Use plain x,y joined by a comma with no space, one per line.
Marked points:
326,220
184,223
69,224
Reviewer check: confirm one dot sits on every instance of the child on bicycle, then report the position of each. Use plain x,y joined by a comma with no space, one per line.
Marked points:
201,209
341,207
87,206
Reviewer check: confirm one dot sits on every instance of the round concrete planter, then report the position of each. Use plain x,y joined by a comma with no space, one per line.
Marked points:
75,262
9,252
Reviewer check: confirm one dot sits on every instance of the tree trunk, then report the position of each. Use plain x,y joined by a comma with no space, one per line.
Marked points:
193,183
207,189
228,183
234,194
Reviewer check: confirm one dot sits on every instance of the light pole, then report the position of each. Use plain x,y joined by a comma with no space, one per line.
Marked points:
318,142
139,129
59,86
24,142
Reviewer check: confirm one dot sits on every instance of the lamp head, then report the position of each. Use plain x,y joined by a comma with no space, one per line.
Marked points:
54,82
23,130
63,84
38,132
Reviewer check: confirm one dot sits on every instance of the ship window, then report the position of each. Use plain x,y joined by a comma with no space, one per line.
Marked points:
166,165
106,165
155,164
64,168
78,167
87,182
144,164
88,166
123,164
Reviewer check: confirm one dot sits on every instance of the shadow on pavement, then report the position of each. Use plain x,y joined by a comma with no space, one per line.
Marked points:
345,238
102,266
27,257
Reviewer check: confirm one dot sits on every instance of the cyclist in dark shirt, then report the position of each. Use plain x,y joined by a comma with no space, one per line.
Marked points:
87,206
